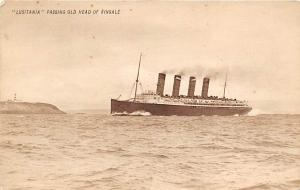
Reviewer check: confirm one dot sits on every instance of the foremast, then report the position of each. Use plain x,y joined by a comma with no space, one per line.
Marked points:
137,77
225,85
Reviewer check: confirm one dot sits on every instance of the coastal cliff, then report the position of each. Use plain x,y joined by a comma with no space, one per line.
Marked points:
11,107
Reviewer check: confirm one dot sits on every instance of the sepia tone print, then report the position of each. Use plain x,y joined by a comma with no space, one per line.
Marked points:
149,95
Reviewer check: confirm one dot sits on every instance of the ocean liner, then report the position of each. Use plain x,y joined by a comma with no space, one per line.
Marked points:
158,103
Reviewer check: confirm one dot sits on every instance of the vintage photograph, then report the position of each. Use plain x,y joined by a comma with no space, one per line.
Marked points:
149,95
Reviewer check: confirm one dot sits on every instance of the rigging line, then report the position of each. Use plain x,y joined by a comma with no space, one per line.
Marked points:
141,86
131,90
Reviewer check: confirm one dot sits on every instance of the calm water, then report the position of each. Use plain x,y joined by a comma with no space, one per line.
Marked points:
109,152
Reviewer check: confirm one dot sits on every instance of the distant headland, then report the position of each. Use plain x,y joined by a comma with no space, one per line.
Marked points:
16,107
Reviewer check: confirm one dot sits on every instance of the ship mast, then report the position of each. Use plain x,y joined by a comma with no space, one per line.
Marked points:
225,84
137,77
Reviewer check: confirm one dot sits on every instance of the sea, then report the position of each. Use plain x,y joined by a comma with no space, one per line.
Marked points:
101,151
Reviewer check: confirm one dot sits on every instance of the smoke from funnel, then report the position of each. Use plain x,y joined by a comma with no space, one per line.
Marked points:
198,71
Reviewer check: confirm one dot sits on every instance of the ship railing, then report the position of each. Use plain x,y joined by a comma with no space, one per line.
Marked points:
215,104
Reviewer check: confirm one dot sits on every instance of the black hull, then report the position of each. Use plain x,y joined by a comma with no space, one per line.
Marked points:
118,106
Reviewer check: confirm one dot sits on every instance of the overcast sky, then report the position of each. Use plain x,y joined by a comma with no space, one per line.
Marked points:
81,61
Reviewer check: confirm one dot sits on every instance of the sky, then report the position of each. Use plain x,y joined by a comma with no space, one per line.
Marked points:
82,61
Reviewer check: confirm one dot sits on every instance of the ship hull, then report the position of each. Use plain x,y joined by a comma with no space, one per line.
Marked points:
118,106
